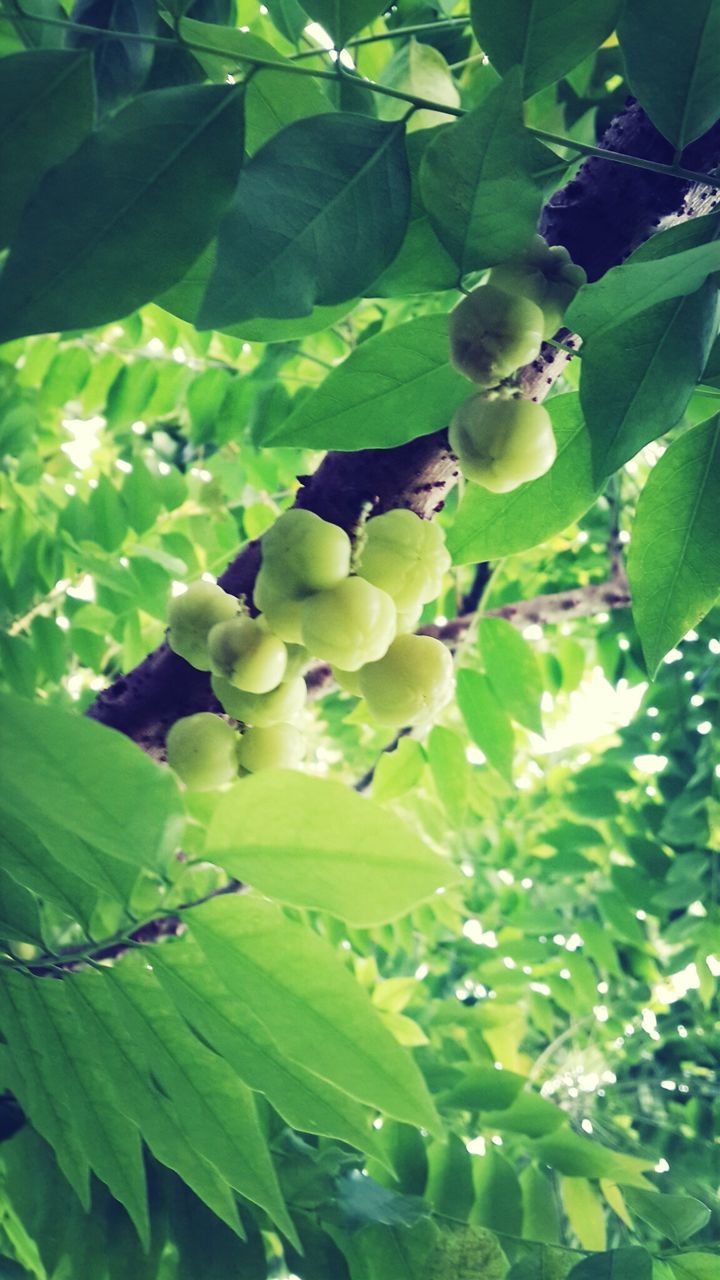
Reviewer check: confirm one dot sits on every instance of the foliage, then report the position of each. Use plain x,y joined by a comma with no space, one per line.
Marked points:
467,1025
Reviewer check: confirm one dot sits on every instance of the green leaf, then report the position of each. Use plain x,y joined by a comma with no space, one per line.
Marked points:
421,70
207,1248
19,912
78,263
230,1027
394,387
422,265
485,1089
674,1217
579,1157
487,722
450,770
544,39
482,181
112,1148
289,241
273,99
46,108
398,771
498,1199
694,1266
361,1200
672,57
616,1264
66,769
342,18
628,290
450,1183
305,997
219,1110
339,852
170,1134
512,670
490,525
541,1218
529,1114
381,1252
30,862
585,1212
674,560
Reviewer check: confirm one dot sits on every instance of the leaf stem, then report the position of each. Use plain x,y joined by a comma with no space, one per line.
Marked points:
415,29
602,153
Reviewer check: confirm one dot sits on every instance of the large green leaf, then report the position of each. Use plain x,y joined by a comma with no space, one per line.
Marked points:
578,1157
230,1027
676,1217
626,291
672,56
219,1110
112,1147
19,912
46,108
342,18
487,722
30,862
340,852
512,670
490,525
393,388
498,1198
306,998
422,265
157,179
674,559
273,99
422,71
543,38
482,180
637,378
694,1266
318,213
169,1132
71,772
615,1264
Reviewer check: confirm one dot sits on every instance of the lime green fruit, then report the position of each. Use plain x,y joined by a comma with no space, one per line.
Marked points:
502,443
350,624
279,746
493,333
277,707
281,611
190,617
247,655
348,680
410,683
302,553
547,276
202,751
408,619
405,556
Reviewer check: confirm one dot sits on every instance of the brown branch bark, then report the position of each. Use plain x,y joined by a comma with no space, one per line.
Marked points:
600,217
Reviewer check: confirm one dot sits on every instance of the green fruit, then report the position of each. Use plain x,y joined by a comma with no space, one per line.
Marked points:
246,654
547,276
410,683
502,443
297,660
405,556
302,553
493,333
349,625
408,619
277,707
202,751
190,617
348,680
280,746
282,611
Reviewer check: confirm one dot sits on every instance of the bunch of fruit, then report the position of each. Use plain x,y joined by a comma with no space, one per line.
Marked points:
314,602
500,440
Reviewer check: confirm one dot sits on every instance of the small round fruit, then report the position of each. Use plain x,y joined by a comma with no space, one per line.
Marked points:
282,611
547,276
411,683
279,746
349,625
502,443
246,654
407,619
301,551
405,556
202,751
277,707
493,333
190,617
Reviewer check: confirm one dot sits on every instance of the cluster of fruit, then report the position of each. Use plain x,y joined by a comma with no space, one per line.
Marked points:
314,602
502,441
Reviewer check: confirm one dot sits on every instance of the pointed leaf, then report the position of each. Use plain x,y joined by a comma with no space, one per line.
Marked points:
676,1217
157,178
544,39
340,852
305,997
617,1264
487,722
342,18
512,670
674,560
318,213
394,387
482,181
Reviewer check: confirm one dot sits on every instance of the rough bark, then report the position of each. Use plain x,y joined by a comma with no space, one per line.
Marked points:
600,216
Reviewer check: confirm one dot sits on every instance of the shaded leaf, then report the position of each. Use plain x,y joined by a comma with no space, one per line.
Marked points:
512,670
487,722
545,40
675,1217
